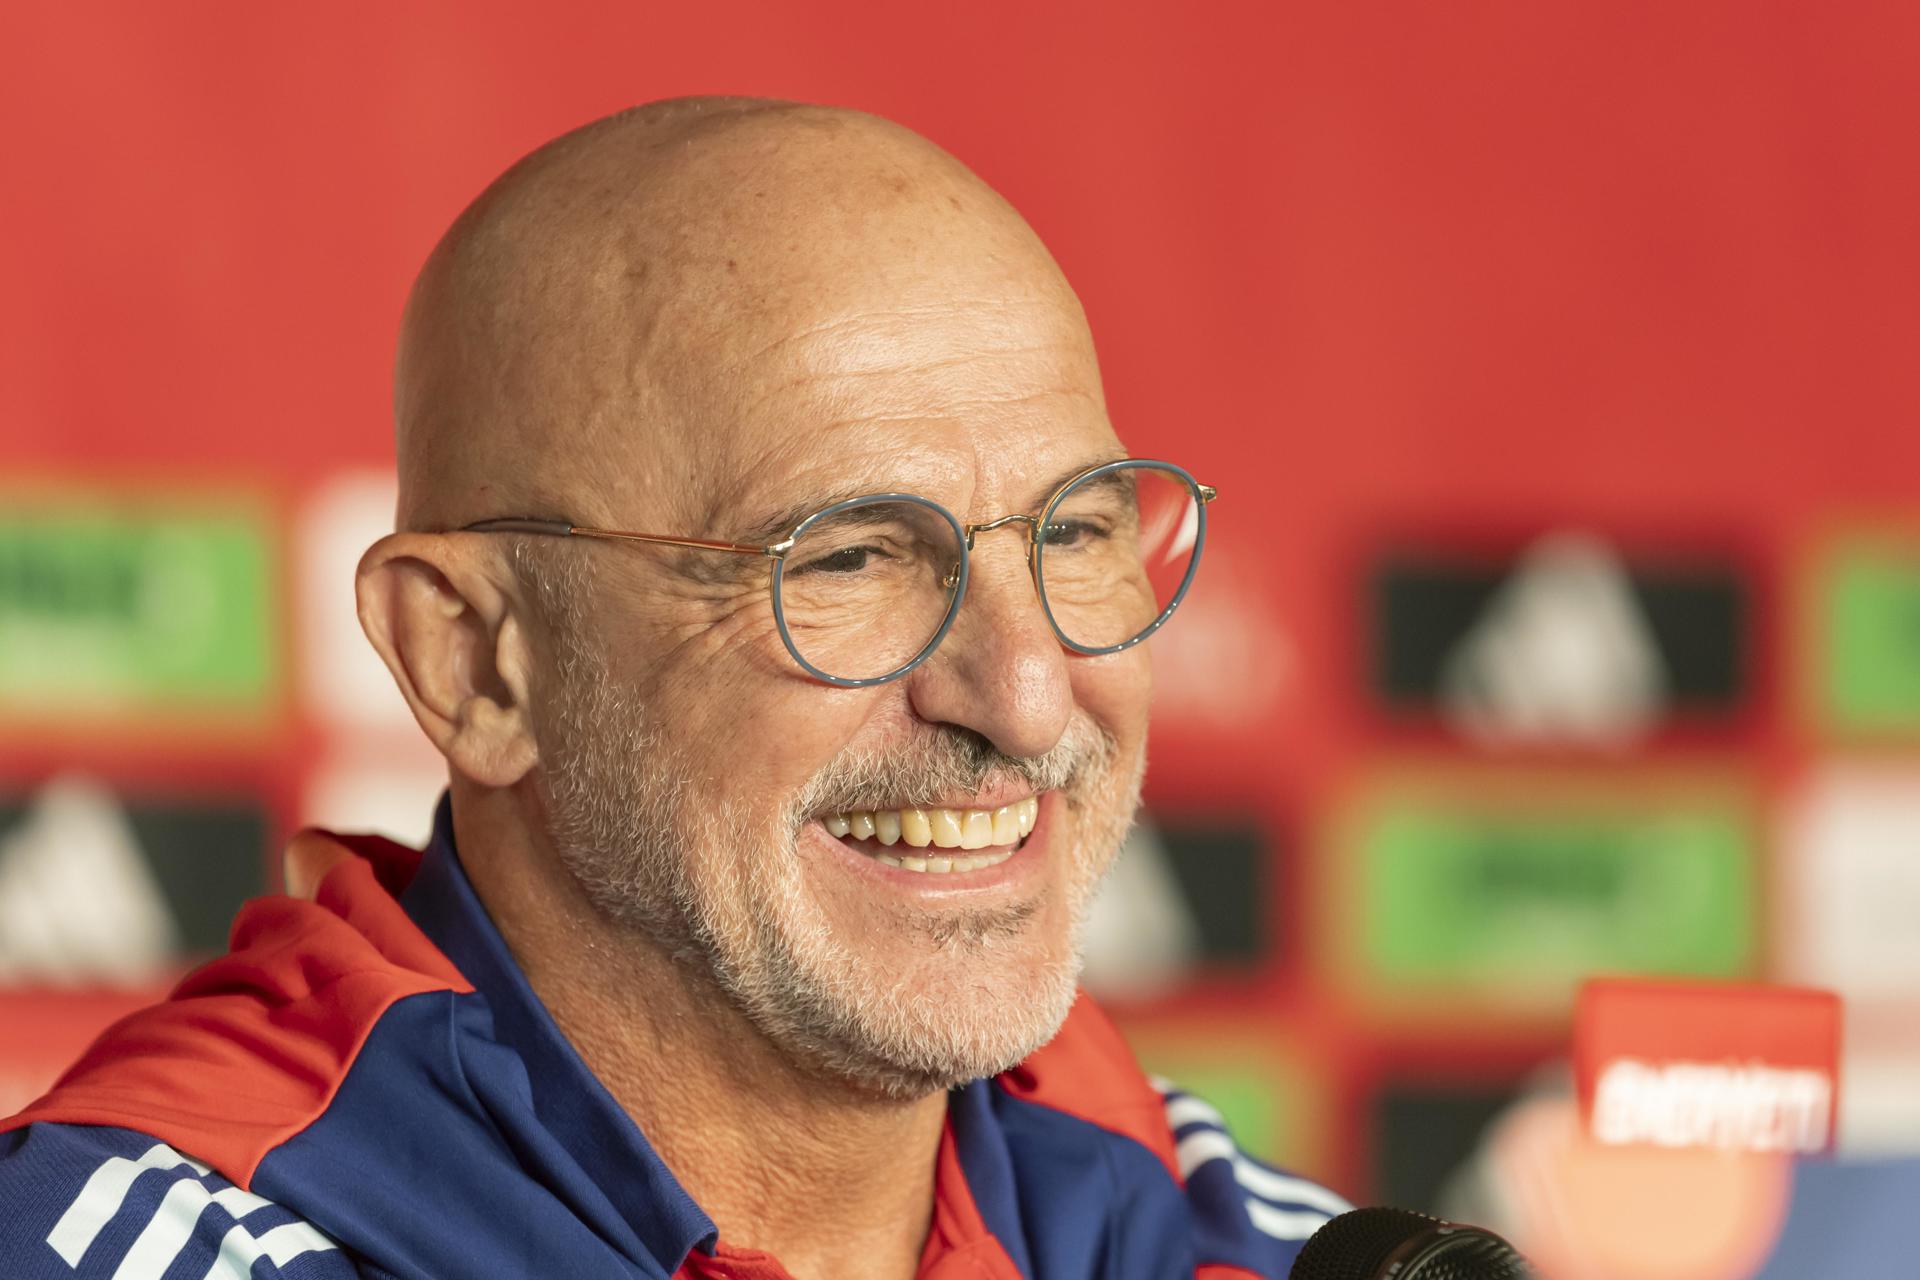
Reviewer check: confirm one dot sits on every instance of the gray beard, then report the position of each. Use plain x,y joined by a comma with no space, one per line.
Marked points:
651,855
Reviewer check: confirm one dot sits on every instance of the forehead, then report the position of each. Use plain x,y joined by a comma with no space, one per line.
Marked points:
878,321
969,400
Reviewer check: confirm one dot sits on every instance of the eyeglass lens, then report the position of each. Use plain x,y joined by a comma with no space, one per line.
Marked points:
1114,553
865,589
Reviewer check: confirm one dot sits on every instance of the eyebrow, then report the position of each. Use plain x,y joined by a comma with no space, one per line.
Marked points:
1124,480
778,525
1047,490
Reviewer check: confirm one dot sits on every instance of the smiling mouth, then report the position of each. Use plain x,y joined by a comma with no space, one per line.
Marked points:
937,841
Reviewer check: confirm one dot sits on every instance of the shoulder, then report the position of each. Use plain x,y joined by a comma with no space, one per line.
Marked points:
1174,1159
1248,1214
87,1201
250,1049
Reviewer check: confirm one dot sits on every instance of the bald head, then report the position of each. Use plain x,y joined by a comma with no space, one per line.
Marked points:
643,308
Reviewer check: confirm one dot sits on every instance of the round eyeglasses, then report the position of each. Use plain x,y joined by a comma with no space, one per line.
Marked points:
865,590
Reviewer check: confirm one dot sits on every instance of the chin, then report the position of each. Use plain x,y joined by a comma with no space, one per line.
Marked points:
952,1019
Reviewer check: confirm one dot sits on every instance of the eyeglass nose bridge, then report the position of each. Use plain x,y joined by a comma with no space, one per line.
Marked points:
1033,529
1032,523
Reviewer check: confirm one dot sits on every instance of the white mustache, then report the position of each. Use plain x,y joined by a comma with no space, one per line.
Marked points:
952,760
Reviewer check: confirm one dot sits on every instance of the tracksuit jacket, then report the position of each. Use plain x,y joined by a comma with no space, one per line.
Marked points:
367,1086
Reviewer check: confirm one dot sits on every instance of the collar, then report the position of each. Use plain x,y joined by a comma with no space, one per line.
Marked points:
966,1240
567,1097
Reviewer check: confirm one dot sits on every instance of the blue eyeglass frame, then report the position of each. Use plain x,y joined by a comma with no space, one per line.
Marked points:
1203,495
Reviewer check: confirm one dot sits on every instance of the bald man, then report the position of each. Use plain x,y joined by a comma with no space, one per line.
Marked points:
774,584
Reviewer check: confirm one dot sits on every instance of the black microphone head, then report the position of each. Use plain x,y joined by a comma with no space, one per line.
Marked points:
1397,1244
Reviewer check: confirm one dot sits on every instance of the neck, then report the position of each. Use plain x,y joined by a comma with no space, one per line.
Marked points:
830,1179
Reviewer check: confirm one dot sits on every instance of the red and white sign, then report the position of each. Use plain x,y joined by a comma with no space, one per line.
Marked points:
1699,1065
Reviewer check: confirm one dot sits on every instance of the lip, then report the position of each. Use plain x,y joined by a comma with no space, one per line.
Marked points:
1010,877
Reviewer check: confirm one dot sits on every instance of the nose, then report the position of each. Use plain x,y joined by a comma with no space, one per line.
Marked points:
1001,671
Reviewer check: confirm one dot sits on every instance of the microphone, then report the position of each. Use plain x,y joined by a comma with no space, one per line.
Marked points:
1398,1244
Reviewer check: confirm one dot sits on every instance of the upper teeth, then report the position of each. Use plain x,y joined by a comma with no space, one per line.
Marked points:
944,828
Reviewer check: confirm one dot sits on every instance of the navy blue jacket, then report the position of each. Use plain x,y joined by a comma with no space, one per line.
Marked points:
367,1086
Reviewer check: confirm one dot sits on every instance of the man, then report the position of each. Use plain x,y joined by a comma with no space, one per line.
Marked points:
772,581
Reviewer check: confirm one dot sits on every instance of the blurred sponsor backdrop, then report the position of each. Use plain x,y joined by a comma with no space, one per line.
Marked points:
1555,365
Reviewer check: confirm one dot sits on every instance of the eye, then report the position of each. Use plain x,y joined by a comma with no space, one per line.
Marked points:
845,560
1068,533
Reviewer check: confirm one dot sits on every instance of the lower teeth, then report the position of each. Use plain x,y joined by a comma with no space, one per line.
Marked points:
970,862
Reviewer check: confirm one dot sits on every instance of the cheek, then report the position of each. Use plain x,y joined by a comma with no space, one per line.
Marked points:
748,728
1117,692
681,625
746,725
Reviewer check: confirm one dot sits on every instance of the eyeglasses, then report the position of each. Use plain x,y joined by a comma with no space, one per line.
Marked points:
865,590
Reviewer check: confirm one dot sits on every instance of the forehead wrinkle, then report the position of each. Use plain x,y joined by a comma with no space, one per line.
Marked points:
919,369
931,374
959,410
912,314
770,497
938,386
739,513
895,339
911,367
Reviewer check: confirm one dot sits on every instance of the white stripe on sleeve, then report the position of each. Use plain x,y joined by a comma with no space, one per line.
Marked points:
1283,1224
1191,1110
1203,1145
239,1250
101,1198
166,1233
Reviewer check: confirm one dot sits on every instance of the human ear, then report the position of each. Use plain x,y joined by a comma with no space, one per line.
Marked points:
450,635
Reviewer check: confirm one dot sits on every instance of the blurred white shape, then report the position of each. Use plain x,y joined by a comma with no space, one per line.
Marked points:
1140,938
1850,900
391,795
1188,533
1879,1106
1848,916
78,904
1562,655
344,683
1736,1106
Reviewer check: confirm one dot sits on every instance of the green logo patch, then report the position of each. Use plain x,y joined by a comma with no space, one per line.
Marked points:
134,611
1870,613
1514,900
